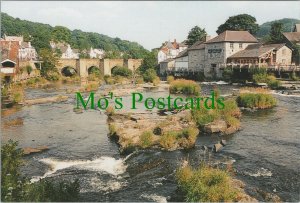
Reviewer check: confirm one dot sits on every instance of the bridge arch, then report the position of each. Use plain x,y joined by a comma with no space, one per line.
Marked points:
68,71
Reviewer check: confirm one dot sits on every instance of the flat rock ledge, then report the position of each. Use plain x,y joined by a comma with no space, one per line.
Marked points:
129,127
32,150
59,98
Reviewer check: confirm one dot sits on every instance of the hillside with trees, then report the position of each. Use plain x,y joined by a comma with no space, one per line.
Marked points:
287,26
41,34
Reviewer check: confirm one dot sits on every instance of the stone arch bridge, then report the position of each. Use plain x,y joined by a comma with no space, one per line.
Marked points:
82,66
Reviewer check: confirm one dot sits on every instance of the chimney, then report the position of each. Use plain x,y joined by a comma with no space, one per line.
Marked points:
207,37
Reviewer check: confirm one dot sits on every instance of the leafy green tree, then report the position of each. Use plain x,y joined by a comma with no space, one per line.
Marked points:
149,75
196,34
275,35
149,62
113,54
61,34
242,22
122,71
49,63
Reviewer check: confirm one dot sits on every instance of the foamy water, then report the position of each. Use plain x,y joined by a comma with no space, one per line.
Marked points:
260,172
106,164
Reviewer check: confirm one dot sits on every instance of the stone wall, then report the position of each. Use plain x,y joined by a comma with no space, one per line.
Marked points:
284,56
197,60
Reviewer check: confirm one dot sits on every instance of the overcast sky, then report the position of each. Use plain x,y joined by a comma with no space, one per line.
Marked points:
148,23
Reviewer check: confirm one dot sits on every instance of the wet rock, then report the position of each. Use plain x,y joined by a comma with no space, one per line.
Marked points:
31,150
215,127
223,142
231,130
217,147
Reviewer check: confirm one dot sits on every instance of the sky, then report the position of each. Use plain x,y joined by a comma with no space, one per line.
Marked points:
149,22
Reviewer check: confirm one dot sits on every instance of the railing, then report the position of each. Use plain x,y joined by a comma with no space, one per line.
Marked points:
277,67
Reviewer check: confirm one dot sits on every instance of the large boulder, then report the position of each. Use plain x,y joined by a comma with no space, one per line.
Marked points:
215,127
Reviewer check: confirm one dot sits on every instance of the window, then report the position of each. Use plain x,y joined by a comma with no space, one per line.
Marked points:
231,45
240,45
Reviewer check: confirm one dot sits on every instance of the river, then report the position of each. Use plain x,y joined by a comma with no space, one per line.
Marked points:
264,154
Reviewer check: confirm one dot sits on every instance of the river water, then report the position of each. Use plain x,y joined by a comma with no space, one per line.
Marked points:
264,154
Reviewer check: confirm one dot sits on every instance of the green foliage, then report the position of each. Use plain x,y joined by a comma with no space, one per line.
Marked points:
121,71
41,35
16,188
206,184
149,62
29,69
288,24
196,34
149,75
230,111
240,22
50,61
146,139
61,34
293,76
189,87
156,81
256,100
272,82
276,35
168,140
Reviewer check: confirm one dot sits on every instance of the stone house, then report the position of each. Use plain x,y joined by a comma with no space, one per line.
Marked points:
197,57
166,65
218,49
170,50
292,40
182,61
262,55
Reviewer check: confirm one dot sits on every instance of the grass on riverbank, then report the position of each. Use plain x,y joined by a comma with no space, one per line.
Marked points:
256,100
185,138
231,114
183,86
206,184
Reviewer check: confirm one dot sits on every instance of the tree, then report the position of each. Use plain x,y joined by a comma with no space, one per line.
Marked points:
242,22
49,63
196,34
149,75
122,71
275,35
61,34
28,69
149,62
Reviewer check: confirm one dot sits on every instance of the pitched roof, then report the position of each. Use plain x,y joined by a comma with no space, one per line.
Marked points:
182,54
167,60
256,50
233,36
293,37
9,50
197,45
297,28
